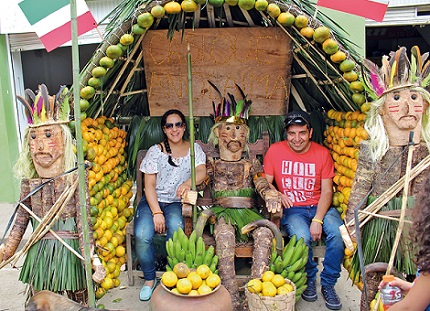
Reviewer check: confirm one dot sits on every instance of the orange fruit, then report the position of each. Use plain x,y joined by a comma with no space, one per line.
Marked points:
217,3
137,30
107,283
350,76
213,280
181,270
268,289
87,92
267,276
120,251
307,32
189,6
330,46
273,10
172,7
229,2
286,19
301,21
95,83
204,271
321,34
255,286
278,280
195,279
127,39
261,5
204,289
169,278
356,86
106,62
338,57
145,20
158,11
98,71
184,286
347,65
114,51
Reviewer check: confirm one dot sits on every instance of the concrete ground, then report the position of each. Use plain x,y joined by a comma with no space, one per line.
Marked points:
124,297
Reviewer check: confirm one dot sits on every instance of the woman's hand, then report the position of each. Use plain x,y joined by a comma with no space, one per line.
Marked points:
159,223
182,188
405,286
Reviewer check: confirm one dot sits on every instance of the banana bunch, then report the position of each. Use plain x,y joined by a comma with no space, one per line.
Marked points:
292,263
190,250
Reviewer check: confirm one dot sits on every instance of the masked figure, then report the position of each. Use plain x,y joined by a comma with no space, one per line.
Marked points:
49,199
234,180
399,114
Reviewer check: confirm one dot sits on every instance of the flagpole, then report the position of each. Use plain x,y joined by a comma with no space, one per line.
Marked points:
80,153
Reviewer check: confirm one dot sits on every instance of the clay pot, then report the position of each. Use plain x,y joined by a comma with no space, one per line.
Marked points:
164,300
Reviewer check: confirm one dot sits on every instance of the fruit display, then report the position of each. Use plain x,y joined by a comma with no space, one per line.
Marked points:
191,251
110,194
292,263
270,285
343,137
291,18
373,303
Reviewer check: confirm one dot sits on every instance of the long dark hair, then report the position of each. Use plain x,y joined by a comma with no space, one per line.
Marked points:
166,141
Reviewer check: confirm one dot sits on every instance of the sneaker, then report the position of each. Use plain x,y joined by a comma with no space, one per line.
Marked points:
331,298
310,293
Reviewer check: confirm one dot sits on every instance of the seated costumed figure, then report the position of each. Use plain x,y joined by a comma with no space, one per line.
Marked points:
50,200
234,180
399,107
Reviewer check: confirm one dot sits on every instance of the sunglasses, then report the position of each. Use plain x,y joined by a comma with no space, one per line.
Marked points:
296,119
169,126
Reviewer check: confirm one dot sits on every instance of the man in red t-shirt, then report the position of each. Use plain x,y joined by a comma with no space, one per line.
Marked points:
303,172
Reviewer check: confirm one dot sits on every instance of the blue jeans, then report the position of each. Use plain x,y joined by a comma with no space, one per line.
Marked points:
144,232
297,220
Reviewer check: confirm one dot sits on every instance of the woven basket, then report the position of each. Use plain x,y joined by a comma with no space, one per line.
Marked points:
278,303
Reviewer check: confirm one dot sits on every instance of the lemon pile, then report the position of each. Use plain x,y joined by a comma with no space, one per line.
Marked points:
270,285
183,281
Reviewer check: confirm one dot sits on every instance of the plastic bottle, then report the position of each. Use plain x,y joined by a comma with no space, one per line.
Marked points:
390,294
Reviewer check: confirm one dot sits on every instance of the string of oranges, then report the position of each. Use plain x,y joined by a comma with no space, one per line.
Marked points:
343,137
110,194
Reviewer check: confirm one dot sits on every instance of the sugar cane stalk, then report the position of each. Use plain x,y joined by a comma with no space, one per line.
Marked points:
80,153
191,116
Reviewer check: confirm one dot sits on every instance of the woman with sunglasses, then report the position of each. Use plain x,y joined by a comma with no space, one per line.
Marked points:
167,169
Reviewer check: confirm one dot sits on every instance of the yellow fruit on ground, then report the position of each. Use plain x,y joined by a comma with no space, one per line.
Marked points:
278,280
301,21
267,276
307,32
321,34
195,279
338,57
181,270
330,46
169,278
145,20
204,271
213,280
286,19
126,39
184,286
273,10
158,11
268,289
255,286
172,7
261,5
204,289
189,6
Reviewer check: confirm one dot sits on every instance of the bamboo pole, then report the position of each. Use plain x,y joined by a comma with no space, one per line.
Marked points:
404,202
191,117
80,153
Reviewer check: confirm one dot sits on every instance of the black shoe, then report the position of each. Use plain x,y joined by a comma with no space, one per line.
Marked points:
331,298
310,293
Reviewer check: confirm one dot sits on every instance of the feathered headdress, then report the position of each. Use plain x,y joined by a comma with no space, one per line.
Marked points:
396,72
229,110
41,108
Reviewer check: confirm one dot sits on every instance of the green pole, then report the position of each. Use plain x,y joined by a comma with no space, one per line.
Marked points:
192,139
80,153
